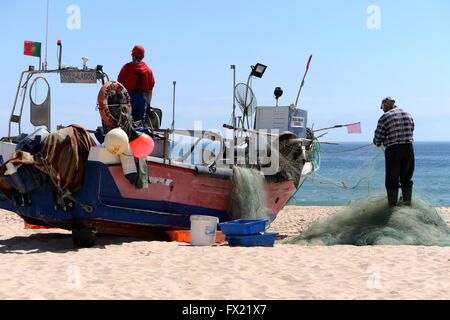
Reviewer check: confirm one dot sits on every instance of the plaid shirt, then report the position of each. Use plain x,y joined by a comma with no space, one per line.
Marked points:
394,126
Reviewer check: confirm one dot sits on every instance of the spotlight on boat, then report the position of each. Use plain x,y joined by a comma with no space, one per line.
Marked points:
278,92
258,70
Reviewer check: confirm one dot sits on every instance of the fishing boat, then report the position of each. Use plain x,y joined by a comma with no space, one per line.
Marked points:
176,187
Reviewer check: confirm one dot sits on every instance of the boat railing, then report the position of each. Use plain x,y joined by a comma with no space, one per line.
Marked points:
23,84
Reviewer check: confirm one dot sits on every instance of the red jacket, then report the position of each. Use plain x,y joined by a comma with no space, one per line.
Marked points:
137,76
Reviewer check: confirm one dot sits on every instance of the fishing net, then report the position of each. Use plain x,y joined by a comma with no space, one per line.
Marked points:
367,220
371,222
359,175
248,197
313,155
366,161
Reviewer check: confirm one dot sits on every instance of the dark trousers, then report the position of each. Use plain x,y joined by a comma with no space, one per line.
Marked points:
138,104
399,165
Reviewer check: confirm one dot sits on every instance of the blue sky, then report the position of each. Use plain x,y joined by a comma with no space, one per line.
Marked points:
195,42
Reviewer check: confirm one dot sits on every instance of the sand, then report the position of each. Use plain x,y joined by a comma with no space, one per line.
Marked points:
43,264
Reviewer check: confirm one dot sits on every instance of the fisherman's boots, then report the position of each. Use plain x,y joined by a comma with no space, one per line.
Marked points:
392,195
407,195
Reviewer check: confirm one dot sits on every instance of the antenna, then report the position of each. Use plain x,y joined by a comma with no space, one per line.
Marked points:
303,80
46,38
173,117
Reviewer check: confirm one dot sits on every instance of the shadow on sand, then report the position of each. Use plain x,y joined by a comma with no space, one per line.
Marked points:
62,242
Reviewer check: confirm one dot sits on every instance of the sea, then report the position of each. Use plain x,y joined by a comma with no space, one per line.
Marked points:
355,170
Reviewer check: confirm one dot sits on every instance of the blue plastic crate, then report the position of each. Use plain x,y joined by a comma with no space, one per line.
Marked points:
256,240
243,227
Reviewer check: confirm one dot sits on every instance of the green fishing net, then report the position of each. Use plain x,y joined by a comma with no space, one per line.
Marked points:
358,177
371,222
248,196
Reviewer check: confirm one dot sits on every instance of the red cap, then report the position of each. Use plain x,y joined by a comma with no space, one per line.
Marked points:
138,51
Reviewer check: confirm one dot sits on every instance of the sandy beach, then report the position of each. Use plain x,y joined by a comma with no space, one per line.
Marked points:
43,264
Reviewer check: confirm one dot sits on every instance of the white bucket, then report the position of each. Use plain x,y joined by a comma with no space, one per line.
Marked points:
203,230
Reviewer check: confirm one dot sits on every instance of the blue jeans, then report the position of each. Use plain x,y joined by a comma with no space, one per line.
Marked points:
138,104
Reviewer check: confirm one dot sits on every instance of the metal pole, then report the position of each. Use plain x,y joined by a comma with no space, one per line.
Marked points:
46,38
233,67
173,116
336,126
15,103
303,80
173,106
245,116
25,87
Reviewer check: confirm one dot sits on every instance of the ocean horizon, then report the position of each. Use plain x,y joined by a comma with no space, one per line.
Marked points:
352,171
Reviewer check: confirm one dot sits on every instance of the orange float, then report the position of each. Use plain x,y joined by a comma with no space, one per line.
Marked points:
185,236
106,92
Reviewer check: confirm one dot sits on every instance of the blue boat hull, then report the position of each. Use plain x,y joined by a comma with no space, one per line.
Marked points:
111,212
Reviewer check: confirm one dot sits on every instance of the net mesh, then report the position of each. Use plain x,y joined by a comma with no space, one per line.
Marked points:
248,196
245,98
367,219
356,174
360,176
371,222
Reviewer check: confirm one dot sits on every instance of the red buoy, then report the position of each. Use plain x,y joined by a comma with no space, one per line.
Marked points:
141,144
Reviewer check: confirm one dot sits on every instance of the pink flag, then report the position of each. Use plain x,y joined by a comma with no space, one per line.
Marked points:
354,127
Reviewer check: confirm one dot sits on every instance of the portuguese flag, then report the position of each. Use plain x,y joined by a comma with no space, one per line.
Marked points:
31,48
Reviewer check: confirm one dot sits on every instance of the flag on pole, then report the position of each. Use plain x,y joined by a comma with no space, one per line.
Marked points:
354,127
31,48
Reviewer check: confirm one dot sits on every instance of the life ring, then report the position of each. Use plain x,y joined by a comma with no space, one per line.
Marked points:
106,92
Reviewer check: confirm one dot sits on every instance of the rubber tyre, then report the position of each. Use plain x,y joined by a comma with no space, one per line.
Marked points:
83,238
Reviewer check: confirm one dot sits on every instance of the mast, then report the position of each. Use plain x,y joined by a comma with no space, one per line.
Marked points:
46,37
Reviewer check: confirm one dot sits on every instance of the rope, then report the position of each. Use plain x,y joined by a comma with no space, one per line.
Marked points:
63,193
349,150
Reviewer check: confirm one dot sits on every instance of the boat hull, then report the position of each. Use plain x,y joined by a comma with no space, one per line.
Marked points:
173,195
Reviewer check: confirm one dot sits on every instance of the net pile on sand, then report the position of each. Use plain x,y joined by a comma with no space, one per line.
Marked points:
248,196
371,222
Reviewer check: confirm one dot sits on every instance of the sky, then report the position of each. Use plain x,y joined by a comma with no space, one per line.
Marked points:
360,54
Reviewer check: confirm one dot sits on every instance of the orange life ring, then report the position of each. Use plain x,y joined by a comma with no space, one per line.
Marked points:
104,94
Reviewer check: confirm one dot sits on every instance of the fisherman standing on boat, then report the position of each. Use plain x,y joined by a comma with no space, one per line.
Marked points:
138,79
395,131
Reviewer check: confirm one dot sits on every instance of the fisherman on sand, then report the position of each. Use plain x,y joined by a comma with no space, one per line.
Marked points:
395,132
